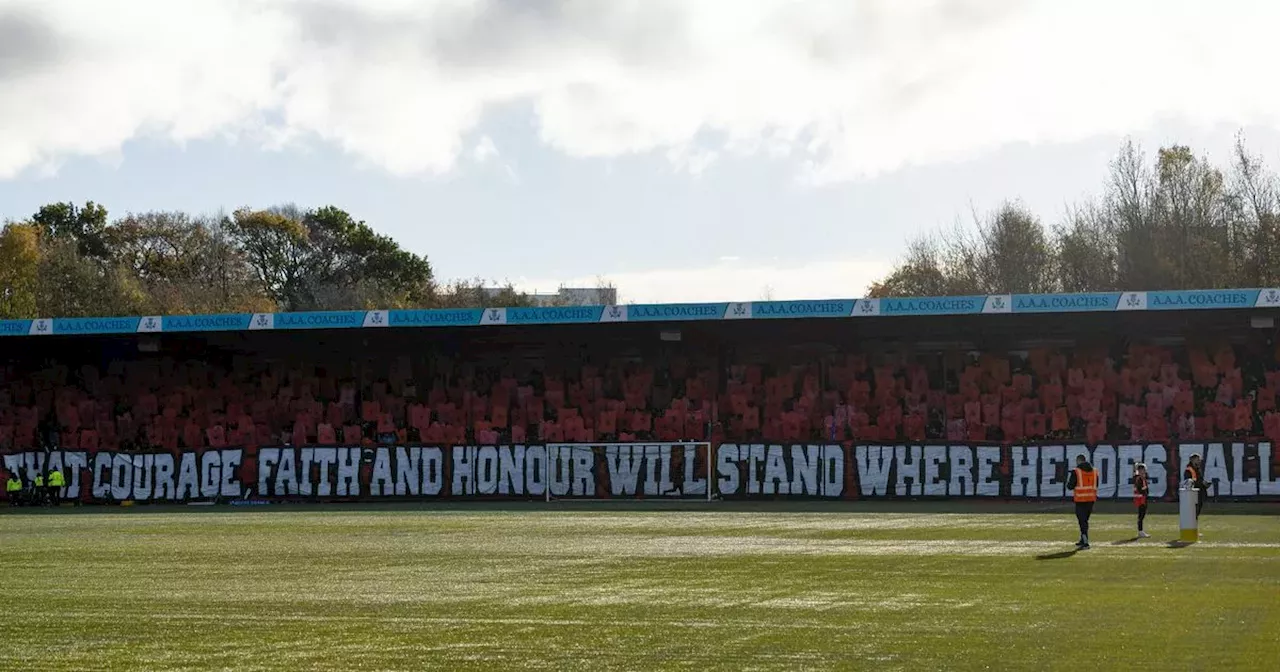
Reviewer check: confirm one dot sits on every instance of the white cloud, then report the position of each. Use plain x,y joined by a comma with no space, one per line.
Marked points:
733,281
484,150
847,88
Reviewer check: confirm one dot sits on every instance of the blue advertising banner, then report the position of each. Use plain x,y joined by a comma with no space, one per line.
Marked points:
1206,299
231,322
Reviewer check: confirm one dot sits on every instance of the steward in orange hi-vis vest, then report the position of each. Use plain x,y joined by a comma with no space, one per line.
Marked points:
1083,482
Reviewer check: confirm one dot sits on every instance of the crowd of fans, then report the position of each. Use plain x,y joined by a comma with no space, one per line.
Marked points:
1143,393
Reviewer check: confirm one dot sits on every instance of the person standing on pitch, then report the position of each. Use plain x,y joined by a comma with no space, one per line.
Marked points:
54,484
1195,473
13,488
37,490
1140,491
1083,482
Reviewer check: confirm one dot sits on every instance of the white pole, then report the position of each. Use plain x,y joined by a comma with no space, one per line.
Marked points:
546,474
1189,530
709,481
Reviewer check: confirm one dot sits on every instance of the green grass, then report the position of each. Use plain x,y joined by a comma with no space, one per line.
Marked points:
687,587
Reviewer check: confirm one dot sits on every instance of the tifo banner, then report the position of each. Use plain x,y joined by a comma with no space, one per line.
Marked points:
1235,470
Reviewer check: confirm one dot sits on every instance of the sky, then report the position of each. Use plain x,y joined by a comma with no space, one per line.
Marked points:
685,150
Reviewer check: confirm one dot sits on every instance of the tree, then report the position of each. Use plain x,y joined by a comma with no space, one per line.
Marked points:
84,226
1012,254
1176,223
325,259
185,264
69,284
19,262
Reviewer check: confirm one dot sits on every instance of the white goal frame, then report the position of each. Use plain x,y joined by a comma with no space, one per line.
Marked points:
546,468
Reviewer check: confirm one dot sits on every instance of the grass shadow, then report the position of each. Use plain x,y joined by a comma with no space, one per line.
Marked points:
1058,556
1125,542
1176,543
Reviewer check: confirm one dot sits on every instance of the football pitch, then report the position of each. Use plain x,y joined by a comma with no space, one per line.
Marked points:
641,586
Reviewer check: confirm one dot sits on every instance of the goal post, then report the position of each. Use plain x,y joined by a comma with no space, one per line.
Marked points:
649,470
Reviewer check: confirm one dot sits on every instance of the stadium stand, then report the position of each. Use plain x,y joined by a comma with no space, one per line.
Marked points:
1129,391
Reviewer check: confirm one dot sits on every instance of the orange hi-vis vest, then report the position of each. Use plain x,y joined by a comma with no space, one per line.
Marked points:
1195,475
1086,486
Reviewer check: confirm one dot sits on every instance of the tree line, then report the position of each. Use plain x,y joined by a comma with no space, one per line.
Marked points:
75,261
1172,221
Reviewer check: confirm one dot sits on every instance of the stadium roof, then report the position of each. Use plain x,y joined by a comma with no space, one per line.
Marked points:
997,304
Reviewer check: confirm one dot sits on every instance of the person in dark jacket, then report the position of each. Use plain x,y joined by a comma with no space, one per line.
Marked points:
1083,482
1195,473
1141,488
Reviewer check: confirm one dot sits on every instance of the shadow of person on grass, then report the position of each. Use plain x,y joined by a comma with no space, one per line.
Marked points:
1179,544
1124,542
1058,556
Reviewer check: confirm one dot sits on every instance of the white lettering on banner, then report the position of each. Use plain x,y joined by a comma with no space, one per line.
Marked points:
142,481
1104,462
1026,472
1215,470
408,471
1240,470
121,477
832,471
231,459
348,472
988,458
535,460
511,470
286,482
1241,486
1050,458
776,481
727,455
804,469
486,470
624,469
754,457
164,477
432,471
780,470
306,458
571,470
1128,456
268,458
666,486
651,471
13,462
1266,486
73,462
693,483
211,479
874,464
464,464
934,456
101,476
1157,477
584,482
380,481
961,472
910,481
325,459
